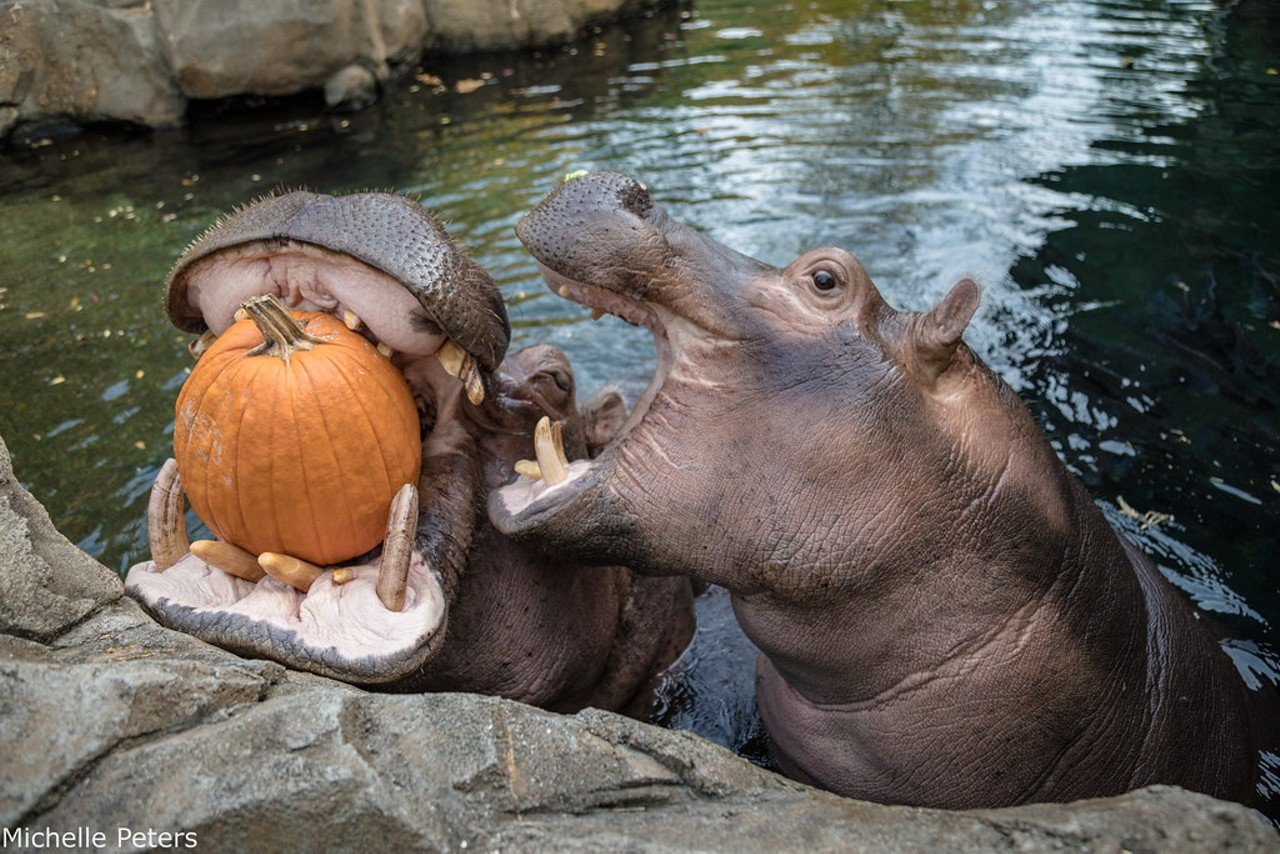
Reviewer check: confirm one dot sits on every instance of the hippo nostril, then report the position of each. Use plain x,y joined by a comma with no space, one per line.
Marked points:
634,197
562,380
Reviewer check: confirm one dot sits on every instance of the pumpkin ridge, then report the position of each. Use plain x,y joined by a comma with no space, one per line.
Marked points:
206,438
390,393
301,447
352,522
270,486
256,367
218,523
357,349
373,429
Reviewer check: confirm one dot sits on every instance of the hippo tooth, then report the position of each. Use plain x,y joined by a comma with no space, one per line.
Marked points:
597,313
528,468
295,572
351,320
166,526
553,471
241,314
471,380
397,548
197,346
230,559
452,357
385,350
342,576
564,291
557,440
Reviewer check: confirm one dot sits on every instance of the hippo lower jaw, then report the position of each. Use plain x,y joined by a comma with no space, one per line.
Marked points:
338,630
527,503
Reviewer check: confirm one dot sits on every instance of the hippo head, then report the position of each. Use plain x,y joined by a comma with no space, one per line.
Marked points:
387,268
768,380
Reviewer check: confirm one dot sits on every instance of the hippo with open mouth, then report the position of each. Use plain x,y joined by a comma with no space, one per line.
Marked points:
446,603
944,616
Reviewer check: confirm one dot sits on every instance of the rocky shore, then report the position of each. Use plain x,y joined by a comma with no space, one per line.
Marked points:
109,721
141,61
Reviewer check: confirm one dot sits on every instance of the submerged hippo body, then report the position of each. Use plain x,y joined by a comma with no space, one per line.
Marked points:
944,616
481,613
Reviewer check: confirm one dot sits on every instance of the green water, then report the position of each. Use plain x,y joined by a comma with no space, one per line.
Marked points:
1108,170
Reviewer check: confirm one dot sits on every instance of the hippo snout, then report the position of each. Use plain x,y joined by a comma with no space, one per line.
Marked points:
589,224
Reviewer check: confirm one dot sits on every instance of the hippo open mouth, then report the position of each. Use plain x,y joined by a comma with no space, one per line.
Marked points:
386,268
600,241
530,497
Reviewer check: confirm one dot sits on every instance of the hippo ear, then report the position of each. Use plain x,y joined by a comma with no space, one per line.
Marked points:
936,335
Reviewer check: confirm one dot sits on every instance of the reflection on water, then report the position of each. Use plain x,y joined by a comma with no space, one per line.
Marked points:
1107,168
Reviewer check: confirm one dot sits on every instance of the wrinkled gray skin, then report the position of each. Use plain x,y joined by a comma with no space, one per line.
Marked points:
945,618
516,623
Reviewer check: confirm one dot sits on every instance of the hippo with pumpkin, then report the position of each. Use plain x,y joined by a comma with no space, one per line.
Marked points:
351,408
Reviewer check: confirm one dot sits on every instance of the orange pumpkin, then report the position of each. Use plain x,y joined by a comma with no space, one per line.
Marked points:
293,434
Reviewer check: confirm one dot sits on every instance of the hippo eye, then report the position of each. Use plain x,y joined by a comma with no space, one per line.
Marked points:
824,281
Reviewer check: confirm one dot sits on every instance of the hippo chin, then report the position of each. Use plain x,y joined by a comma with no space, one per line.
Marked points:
470,609
944,616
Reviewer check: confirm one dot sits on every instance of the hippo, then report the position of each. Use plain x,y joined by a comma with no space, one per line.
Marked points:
944,617
447,602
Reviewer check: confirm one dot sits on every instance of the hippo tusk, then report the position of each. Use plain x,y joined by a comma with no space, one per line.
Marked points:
295,572
557,440
232,560
529,468
197,346
393,570
342,576
451,357
471,380
166,526
554,472
351,320
241,314
385,349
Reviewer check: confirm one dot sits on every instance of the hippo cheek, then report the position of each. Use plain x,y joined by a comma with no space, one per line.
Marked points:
338,630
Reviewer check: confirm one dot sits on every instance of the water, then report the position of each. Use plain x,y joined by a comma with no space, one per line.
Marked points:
1108,170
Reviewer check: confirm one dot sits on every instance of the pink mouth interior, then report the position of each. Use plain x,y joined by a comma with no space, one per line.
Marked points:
346,618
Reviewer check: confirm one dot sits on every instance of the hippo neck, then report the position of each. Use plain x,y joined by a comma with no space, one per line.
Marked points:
941,617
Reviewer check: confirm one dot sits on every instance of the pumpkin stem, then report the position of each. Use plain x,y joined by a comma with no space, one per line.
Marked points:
282,334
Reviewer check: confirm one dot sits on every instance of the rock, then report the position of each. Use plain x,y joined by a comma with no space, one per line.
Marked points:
457,26
46,584
140,60
218,49
108,720
85,62
352,88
